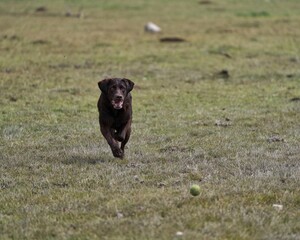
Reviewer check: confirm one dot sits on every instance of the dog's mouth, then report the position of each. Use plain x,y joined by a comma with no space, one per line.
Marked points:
117,103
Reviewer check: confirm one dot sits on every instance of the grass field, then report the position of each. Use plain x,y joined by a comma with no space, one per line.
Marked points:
220,110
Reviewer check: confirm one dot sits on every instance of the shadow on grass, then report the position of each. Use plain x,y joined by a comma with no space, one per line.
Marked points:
80,160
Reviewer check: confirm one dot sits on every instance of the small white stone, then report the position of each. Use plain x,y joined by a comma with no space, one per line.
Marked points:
278,206
179,234
120,215
152,27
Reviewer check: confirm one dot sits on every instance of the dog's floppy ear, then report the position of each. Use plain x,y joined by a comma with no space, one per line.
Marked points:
103,85
129,84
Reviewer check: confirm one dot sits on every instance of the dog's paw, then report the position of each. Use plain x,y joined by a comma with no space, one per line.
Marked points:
118,153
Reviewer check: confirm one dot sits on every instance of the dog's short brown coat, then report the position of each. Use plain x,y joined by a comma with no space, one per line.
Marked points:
115,112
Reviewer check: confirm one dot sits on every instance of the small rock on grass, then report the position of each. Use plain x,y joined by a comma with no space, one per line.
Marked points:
120,215
278,206
152,28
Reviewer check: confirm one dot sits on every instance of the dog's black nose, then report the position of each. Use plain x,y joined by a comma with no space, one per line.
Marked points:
119,97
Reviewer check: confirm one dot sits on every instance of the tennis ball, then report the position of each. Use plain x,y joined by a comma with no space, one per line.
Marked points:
195,190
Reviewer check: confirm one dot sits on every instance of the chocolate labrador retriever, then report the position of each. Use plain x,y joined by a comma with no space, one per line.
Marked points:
115,112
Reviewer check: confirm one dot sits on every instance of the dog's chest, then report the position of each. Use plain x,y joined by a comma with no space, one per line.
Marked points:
119,120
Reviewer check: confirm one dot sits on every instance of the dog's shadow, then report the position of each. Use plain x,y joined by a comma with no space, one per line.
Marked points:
78,159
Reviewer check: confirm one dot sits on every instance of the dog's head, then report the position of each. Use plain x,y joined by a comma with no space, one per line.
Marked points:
116,90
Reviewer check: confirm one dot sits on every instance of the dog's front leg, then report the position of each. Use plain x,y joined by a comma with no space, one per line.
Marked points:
114,145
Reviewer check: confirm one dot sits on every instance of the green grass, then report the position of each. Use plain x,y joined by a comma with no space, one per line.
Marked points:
237,137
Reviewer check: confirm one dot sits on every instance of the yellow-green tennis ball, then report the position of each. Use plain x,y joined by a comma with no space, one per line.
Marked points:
195,190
